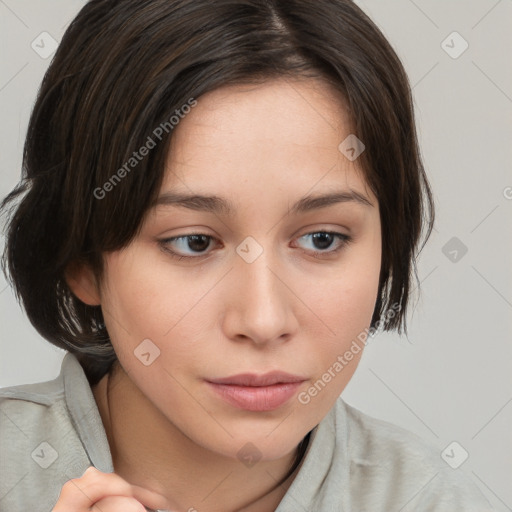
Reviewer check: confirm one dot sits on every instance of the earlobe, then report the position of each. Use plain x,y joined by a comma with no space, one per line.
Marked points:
82,282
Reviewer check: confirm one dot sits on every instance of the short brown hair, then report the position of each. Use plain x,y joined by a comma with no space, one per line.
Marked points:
122,68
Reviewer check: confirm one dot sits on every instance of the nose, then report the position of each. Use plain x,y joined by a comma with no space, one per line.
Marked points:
260,305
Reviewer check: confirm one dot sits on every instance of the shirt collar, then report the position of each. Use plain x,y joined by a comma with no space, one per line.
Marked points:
85,414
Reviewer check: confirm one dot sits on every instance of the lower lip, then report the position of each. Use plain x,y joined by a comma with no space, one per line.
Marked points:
253,398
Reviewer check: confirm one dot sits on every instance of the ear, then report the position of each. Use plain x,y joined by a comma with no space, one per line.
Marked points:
82,282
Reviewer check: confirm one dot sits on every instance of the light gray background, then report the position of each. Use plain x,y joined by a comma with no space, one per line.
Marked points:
451,380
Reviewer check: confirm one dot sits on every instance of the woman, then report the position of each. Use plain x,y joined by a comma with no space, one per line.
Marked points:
223,200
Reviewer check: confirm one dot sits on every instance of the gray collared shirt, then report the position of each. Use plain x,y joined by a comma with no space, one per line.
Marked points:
52,432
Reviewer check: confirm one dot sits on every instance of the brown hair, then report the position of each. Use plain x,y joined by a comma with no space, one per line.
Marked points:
122,69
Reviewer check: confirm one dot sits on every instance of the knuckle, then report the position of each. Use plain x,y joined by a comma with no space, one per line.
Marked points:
89,473
70,484
91,470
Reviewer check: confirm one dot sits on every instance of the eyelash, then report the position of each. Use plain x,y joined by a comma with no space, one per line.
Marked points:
343,239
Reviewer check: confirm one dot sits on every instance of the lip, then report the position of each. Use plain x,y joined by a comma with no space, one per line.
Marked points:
252,379
257,392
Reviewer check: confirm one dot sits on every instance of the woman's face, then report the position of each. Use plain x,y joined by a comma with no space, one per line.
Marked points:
249,296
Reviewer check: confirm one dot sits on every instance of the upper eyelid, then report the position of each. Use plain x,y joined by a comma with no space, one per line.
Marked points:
306,233
341,237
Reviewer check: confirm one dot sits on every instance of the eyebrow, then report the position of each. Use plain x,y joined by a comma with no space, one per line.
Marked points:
218,205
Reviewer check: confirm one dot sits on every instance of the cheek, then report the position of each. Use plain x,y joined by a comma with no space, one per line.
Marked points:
334,357
141,300
346,300
147,300
345,305
347,313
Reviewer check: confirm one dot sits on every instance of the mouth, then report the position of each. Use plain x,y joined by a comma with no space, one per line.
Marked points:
255,380
257,393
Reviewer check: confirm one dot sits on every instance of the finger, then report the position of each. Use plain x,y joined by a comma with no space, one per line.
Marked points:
152,500
94,485
118,504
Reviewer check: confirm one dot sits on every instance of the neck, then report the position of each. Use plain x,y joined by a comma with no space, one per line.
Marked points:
149,451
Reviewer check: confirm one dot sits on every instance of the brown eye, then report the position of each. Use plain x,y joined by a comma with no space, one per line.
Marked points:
322,240
196,243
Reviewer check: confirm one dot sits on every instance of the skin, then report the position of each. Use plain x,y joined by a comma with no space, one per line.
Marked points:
263,148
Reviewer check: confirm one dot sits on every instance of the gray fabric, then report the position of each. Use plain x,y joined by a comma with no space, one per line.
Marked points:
353,463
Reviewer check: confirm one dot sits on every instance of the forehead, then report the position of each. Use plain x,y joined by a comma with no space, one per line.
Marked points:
282,134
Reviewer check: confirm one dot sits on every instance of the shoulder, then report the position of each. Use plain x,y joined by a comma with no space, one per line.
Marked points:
40,448
28,409
372,440
402,469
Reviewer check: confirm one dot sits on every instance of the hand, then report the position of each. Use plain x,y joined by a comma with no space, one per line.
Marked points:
106,492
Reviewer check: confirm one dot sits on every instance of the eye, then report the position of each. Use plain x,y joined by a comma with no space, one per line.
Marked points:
198,243
195,242
323,240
